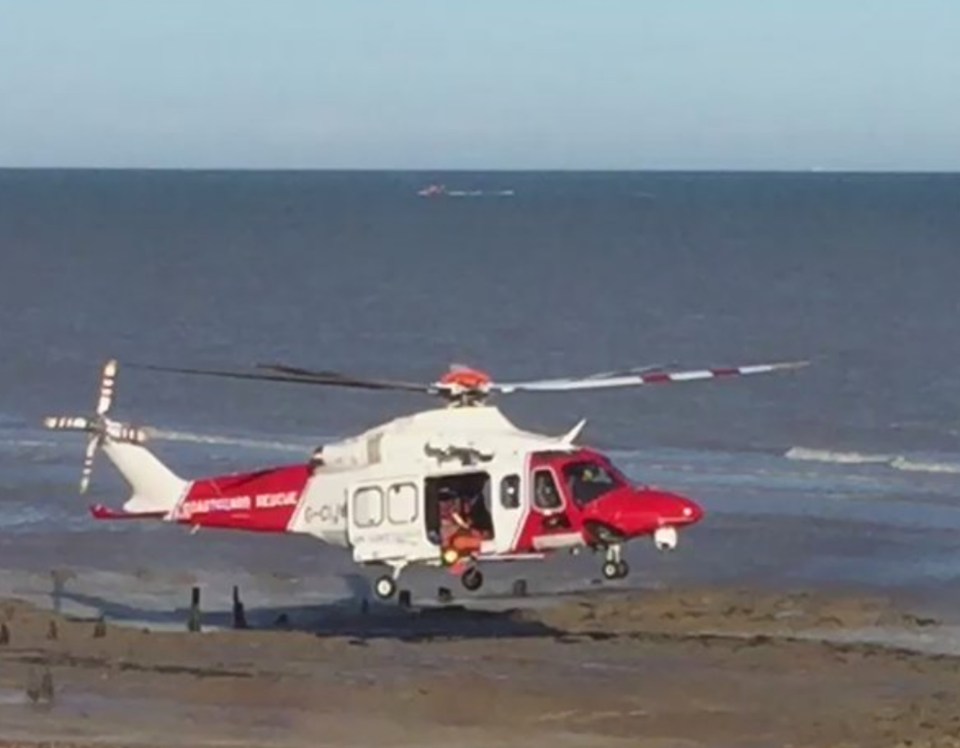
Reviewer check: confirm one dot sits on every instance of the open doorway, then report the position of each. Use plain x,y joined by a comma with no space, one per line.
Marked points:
456,504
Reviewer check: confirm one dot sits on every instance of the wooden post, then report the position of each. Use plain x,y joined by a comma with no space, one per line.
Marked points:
4,634
42,691
239,617
193,623
100,629
46,686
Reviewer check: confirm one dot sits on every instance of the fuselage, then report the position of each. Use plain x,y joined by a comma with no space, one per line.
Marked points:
381,493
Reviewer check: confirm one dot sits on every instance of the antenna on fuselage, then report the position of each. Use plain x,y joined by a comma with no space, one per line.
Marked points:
573,433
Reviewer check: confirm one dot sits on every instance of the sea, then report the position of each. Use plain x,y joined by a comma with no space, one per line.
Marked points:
843,473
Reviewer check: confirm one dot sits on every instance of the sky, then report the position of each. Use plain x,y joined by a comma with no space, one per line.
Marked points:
491,84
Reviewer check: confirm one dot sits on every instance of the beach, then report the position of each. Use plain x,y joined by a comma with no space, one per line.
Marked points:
681,667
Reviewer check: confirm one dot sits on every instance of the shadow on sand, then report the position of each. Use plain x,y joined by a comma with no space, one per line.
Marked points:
354,616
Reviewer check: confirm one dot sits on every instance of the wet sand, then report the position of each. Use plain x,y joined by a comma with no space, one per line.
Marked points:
688,667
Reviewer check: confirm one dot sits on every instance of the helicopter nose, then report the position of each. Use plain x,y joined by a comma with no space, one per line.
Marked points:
645,511
686,511
669,509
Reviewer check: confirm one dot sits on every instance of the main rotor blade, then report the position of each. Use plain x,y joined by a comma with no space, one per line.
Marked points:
336,378
299,379
633,380
624,372
302,372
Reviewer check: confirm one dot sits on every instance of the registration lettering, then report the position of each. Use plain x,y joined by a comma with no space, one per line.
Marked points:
327,514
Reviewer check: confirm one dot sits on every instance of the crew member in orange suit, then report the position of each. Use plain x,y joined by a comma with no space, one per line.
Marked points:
456,530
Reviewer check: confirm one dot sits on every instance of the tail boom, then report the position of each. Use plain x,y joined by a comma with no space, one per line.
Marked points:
262,501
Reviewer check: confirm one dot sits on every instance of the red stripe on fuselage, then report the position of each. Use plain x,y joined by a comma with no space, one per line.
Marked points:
260,502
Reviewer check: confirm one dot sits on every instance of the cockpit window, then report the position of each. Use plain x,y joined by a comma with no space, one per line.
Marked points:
545,493
588,481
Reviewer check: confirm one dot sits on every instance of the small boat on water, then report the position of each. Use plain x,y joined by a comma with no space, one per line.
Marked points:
440,190
432,190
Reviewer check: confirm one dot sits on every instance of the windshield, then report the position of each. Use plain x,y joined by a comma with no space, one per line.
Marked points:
589,480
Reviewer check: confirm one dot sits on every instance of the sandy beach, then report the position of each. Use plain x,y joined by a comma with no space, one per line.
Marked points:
685,667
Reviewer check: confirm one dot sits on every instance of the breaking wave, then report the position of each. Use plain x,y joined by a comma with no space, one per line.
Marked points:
897,462
916,466
839,458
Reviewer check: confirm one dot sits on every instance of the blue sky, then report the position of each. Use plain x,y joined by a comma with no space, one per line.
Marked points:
564,84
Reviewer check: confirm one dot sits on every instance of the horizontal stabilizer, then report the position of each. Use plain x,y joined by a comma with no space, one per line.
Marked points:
99,511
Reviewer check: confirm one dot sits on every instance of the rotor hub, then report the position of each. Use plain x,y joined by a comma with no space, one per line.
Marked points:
465,386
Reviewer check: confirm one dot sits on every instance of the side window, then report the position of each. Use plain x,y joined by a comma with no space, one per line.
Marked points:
402,503
368,507
545,493
510,491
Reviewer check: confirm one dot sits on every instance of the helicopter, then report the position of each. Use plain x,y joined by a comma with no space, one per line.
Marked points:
456,486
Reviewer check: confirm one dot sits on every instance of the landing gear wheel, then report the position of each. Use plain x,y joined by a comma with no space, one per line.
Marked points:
472,579
611,570
622,569
385,588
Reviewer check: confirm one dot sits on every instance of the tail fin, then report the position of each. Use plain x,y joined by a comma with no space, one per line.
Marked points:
156,488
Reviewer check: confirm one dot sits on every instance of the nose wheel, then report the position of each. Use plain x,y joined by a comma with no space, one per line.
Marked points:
614,567
385,587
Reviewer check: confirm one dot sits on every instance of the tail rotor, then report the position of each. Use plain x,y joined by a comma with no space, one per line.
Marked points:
107,383
99,426
92,445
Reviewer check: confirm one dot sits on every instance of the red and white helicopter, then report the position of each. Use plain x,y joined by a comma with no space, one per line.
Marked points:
455,486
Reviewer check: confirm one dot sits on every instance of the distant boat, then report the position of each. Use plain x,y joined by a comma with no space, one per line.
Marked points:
440,190
433,190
